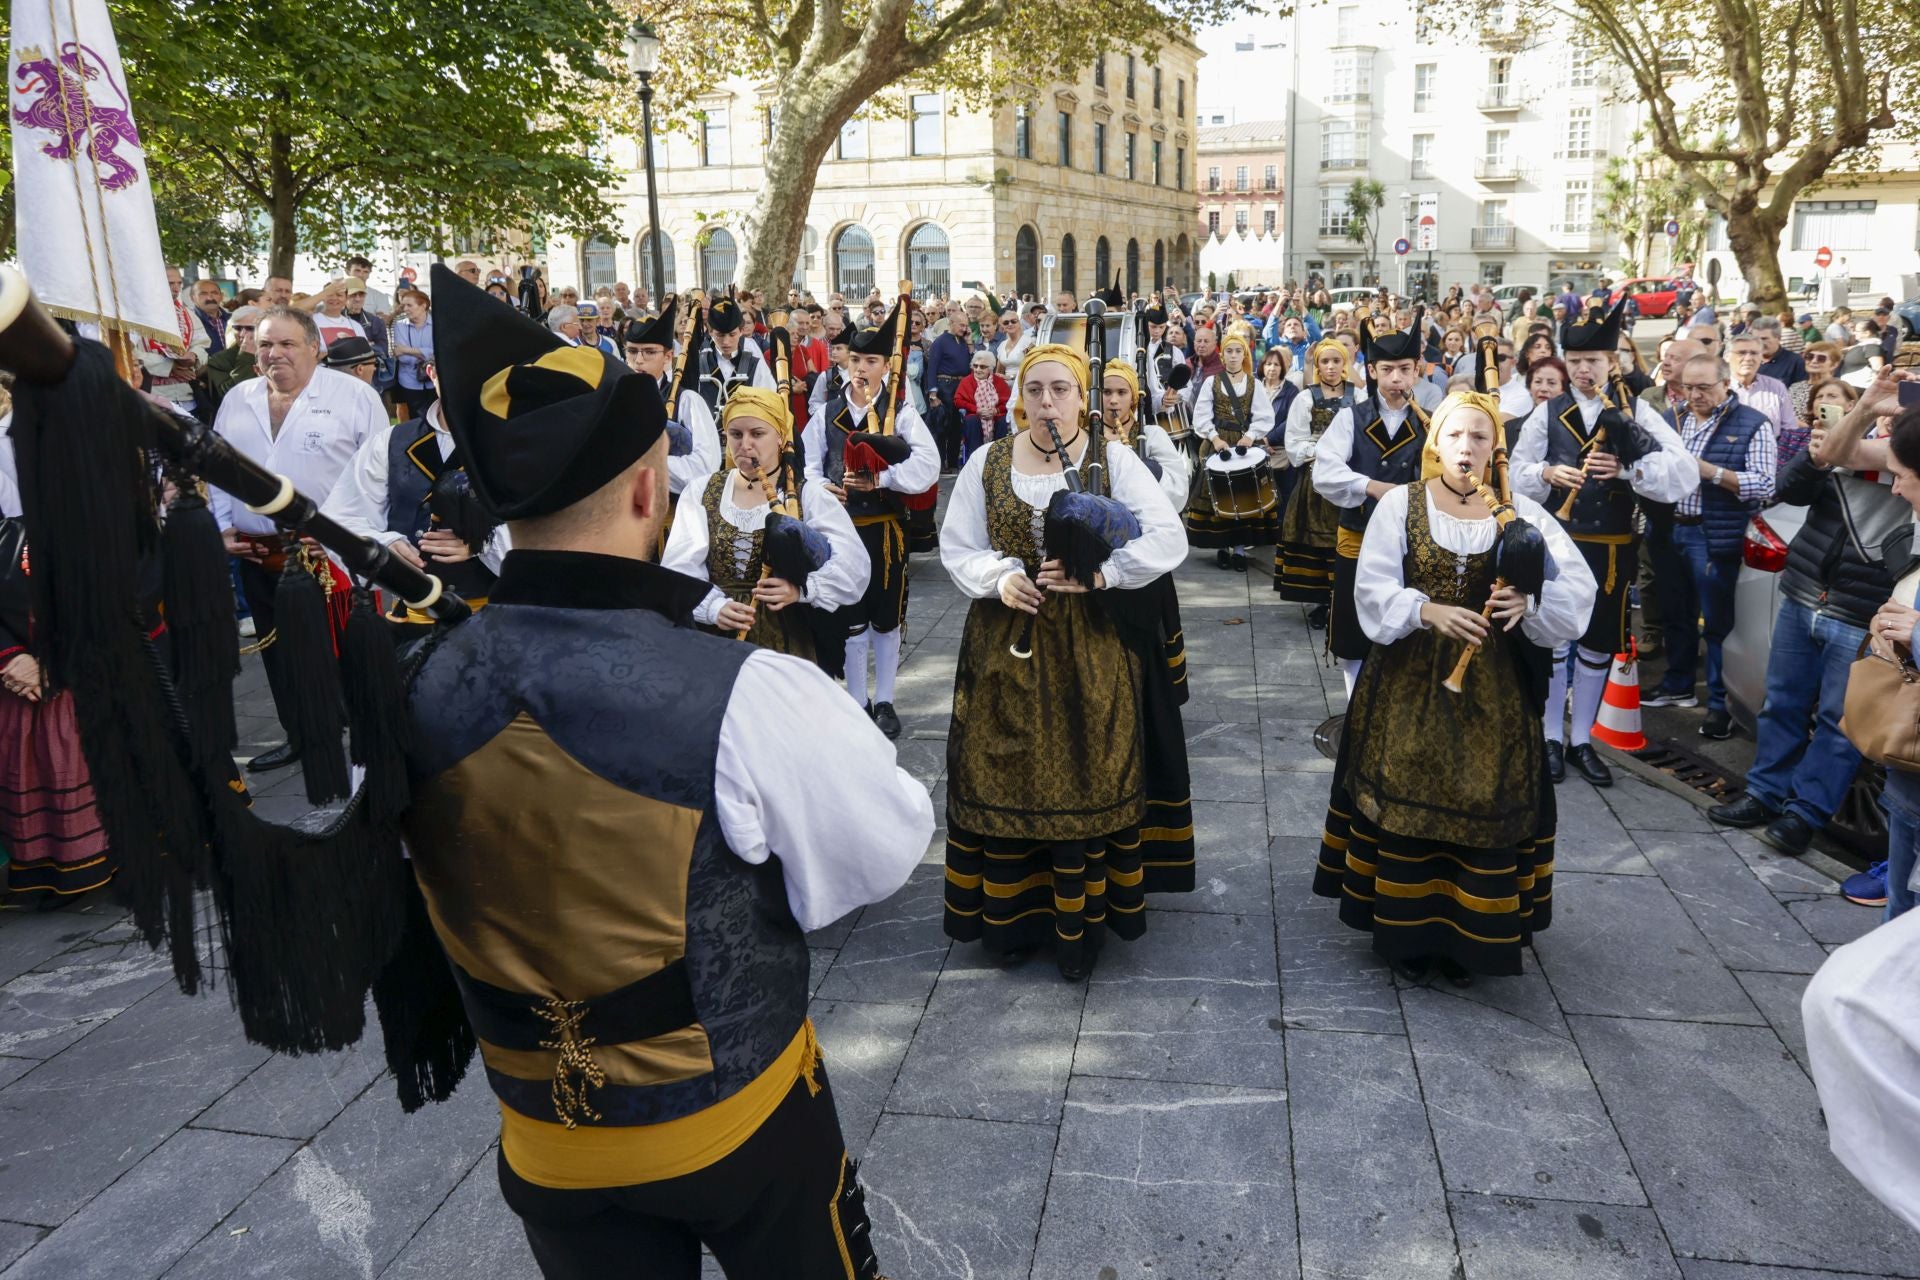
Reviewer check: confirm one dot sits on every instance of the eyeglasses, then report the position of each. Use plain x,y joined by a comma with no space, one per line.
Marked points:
1699,388
244,328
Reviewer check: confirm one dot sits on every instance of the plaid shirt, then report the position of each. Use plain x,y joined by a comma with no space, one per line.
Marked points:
1756,482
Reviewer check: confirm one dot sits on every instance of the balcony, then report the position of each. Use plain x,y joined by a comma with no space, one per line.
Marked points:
1498,169
1499,99
1503,35
1343,164
1350,96
1492,239
1581,155
1581,236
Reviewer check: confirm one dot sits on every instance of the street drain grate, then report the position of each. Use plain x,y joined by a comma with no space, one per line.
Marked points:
1326,739
1696,771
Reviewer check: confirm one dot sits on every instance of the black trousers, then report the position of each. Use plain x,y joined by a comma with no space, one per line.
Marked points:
257,585
786,1205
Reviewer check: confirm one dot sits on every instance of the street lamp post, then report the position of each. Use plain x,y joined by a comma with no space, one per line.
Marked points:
643,54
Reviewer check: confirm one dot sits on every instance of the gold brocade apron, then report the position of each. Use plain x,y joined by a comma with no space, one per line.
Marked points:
783,632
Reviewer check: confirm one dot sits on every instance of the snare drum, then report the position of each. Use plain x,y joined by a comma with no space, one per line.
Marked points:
1240,481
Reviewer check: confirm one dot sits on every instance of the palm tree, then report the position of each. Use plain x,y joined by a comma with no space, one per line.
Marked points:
1364,200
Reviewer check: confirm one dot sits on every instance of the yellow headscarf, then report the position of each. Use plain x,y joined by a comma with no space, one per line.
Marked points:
1240,336
1490,405
1073,357
769,407
1310,376
1126,373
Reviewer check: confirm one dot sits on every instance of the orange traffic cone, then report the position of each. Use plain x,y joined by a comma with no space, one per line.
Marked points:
1618,724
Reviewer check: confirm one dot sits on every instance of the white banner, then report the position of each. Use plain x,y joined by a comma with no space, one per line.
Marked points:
88,241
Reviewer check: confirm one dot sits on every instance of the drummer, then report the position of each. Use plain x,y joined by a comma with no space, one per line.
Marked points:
1232,418
1169,408
1309,526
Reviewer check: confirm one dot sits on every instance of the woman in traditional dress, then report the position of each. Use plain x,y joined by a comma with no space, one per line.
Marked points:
1047,771
725,547
1309,525
1229,410
1440,827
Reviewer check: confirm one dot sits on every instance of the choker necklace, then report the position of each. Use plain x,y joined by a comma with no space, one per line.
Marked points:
1061,451
1455,492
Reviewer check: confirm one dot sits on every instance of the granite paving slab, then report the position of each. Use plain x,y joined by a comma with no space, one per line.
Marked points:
1590,837
350,1200
1778,997
1231,872
864,1045
29,939
12,1069
1781,874
472,1233
1641,806
1297,803
956,1199
15,1239
1726,1132
1513,1238
1172,1180
1289,746
126,1087
1223,761
1330,980
1706,1269
1366,1181
1621,945
819,963
1197,999
996,1043
142,1224
297,1097
44,1010
895,952
1746,924
1512,1108
1833,921
1527,996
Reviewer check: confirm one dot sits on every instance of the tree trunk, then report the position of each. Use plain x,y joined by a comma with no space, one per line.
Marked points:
281,207
1754,235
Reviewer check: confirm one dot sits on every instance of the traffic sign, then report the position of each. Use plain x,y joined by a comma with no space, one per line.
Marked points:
408,275
1048,261
1403,246
1427,223
1823,257
1673,228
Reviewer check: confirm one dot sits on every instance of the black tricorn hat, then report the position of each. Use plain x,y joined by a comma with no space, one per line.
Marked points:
1156,315
882,338
1113,296
724,316
540,423
1392,344
1598,330
657,331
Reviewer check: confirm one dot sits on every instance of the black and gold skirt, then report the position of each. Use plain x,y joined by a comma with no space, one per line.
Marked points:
1307,535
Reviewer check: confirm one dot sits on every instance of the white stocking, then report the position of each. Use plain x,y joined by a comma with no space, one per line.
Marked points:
886,663
857,645
1557,695
1589,686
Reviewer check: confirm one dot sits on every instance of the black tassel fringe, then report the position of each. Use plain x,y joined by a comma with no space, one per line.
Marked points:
429,1042
315,714
201,626
376,703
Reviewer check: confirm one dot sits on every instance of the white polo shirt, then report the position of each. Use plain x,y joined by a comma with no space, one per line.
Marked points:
326,424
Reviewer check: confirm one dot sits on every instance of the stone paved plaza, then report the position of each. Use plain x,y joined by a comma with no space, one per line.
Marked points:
1245,1094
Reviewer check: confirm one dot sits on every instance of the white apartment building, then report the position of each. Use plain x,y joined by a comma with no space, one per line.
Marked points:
1508,132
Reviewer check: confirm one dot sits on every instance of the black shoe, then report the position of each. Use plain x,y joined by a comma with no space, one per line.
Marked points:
278,758
1223,558
1747,811
1317,618
1590,766
1556,761
1453,972
1239,562
1717,725
1413,970
884,718
1789,833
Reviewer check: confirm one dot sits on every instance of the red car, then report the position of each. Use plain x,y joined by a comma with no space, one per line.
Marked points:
1654,297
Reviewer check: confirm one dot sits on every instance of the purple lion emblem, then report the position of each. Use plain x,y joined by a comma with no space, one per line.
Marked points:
67,109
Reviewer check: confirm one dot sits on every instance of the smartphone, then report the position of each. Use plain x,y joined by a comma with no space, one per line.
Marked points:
1831,414
1909,394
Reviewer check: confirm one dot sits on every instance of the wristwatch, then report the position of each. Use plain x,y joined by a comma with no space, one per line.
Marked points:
1718,473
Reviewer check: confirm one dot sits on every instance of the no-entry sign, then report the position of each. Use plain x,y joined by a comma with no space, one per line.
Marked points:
1823,257
1403,246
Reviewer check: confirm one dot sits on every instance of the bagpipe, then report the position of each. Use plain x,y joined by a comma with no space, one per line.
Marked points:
311,917
1083,528
871,452
1616,425
689,334
790,548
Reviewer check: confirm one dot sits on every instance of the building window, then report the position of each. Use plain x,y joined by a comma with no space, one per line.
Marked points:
1352,77
1836,224
924,136
1133,140
1180,98
1156,88
1100,72
1335,217
713,138
717,259
1156,162
1579,133
1213,177
1578,210
1026,262
1340,146
1346,20
1102,261
1240,219
1422,164
1180,168
1159,264
1269,221
852,259
1270,178
599,268
1240,177
1213,222
1069,265
928,262
1493,273
1023,132
767,120
809,244
659,149
853,140
643,249
1066,140
1493,215
1099,146
1129,77
1582,67
1496,149
1133,266
1425,75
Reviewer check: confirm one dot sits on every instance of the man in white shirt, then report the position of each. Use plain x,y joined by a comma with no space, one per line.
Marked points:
302,422
173,367
732,359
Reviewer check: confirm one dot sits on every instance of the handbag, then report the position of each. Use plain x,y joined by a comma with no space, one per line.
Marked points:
1882,715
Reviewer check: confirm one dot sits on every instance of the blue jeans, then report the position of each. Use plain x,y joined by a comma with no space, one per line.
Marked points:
1901,800
1703,599
1790,771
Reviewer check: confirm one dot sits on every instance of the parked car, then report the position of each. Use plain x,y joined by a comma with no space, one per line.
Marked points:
1352,296
1858,823
1654,297
1908,315
1506,294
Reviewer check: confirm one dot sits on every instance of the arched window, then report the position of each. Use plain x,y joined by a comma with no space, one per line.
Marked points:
1102,262
643,250
804,264
1070,266
1133,266
1026,262
718,258
853,262
928,261
598,266
1159,264
1182,262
